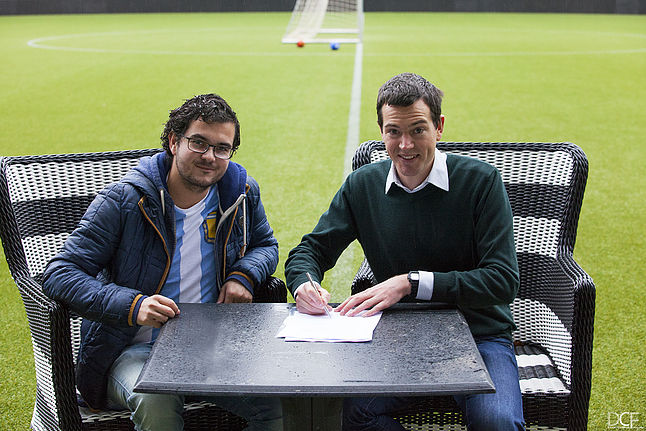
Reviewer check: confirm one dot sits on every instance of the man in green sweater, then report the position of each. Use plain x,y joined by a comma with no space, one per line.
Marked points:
433,227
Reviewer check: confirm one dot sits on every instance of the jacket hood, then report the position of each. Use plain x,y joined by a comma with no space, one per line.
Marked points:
232,184
151,172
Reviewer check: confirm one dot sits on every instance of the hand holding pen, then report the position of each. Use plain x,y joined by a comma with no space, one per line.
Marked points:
311,298
323,301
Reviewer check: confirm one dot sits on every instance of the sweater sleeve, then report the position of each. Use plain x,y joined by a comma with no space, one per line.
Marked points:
495,279
71,276
319,250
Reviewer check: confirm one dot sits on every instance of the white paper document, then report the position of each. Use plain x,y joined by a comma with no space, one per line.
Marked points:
335,329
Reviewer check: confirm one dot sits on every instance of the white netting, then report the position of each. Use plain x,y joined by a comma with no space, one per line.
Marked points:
324,21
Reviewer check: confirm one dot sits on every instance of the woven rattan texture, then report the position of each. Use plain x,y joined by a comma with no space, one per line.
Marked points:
42,199
554,309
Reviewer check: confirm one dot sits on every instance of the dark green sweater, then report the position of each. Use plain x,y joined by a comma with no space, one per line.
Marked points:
464,236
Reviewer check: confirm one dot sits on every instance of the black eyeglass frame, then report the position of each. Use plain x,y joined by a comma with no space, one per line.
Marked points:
209,146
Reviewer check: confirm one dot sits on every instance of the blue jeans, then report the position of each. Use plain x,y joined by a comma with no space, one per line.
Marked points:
163,412
500,411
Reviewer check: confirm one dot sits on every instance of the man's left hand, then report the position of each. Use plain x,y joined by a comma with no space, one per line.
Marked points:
376,298
233,291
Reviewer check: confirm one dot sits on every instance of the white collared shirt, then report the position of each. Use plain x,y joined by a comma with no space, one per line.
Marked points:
439,177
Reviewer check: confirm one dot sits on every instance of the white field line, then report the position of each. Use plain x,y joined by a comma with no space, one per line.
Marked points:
354,116
48,42
342,274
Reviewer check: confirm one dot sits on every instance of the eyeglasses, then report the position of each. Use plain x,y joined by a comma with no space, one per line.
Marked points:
200,146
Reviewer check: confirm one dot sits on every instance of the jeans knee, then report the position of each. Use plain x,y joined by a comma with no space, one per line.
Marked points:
266,415
357,415
152,412
354,413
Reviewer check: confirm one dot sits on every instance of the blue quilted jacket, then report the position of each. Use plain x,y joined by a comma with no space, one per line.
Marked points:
122,250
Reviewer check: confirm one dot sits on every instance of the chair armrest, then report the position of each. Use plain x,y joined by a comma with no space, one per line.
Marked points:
582,337
554,307
49,324
271,290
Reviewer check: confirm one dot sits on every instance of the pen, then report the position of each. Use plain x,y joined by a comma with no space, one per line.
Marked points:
319,292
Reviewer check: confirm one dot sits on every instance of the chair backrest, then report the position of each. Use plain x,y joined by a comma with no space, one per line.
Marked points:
545,183
42,200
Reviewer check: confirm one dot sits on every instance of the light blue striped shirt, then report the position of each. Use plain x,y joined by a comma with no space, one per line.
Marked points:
192,274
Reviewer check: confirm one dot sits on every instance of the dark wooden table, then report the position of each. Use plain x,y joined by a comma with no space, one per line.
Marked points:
231,349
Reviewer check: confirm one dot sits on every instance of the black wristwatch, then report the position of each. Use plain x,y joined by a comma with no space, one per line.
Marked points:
413,279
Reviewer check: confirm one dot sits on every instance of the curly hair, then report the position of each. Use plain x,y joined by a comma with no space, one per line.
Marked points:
407,88
209,108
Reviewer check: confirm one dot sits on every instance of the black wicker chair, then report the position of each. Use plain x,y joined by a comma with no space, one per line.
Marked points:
42,199
554,309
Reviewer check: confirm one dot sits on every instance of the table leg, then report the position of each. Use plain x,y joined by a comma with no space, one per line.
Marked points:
297,414
327,414
312,414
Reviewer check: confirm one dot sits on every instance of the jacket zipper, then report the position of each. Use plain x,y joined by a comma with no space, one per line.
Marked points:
165,274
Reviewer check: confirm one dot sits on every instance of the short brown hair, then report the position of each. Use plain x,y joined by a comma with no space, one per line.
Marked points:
404,90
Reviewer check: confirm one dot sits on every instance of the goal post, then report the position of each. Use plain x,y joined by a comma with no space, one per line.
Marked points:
325,21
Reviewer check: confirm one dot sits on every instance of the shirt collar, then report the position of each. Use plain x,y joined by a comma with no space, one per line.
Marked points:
439,175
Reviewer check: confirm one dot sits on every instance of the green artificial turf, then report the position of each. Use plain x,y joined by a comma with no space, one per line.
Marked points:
107,82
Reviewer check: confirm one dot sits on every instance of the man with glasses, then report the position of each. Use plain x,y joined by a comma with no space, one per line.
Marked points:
185,225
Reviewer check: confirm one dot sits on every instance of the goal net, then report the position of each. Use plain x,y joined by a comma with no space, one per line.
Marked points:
325,21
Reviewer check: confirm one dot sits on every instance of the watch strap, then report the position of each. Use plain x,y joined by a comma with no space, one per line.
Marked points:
413,279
